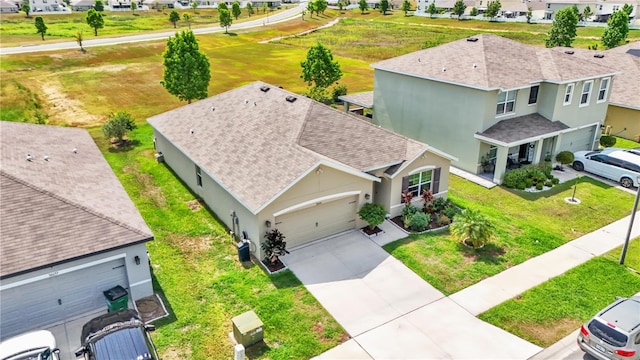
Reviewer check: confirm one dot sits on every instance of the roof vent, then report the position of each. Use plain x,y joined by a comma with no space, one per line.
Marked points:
191,131
472,39
570,52
45,158
291,98
475,66
75,151
599,56
29,157
213,108
444,69
418,59
264,88
246,101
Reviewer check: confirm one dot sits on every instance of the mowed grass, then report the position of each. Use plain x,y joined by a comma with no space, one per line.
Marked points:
526,227
625,143
552,310
195,268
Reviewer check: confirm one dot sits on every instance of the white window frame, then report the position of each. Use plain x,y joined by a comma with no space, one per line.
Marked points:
198,176
588,93
604,92
506,102
568,92
423,184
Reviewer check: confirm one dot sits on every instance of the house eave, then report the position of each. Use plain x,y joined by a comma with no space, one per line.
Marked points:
483,88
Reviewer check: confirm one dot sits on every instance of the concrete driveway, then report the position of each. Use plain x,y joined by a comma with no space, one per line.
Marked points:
389,311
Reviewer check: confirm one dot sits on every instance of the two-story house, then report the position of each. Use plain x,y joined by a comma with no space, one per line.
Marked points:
491,97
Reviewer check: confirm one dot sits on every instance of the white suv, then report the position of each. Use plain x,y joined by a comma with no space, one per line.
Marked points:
612,163
614,333
35,345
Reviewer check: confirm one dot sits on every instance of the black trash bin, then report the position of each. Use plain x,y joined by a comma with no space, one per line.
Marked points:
243,251
117,298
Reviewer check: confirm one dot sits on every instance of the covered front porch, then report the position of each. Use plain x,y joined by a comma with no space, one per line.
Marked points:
519,141
359,103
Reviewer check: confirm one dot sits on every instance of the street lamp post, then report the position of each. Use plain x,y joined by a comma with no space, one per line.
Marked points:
633,215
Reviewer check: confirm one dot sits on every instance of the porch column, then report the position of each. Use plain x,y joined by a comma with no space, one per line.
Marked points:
501,164
538,153
346,106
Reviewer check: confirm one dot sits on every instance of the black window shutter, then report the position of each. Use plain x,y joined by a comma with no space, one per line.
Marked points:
405,186
436,180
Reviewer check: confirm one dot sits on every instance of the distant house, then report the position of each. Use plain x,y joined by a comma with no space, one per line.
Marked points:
601,9
82,5
69,229
263,158
623,111
47,6
7,7
491,98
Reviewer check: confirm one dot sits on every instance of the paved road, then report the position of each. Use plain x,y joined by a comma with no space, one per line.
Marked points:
281,16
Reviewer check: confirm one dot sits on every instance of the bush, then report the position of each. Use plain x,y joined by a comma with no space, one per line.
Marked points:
274,246
118,125
419,221
607,140
513,177
548,184
555,181
440,204
407,213
429,208
337,91
451,211
521,185
444,220
373,214
565,157
528,182
319,94
539,186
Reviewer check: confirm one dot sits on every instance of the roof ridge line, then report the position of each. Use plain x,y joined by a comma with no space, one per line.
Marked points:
72,203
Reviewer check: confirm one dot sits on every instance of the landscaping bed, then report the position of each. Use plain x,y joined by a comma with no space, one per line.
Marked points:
546,313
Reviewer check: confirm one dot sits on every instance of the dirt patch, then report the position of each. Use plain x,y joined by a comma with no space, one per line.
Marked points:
64,110
549,332
151,308
174,353
190,246
147,186
194,205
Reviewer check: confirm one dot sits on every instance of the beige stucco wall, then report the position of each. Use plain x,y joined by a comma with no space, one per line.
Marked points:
575,115
624,122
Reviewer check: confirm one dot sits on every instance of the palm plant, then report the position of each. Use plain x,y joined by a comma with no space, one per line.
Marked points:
472,228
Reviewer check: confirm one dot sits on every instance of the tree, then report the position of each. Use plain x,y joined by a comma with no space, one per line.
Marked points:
311,6
628,8
472,228
235,9
586,13
187,18
26,8
458,8
194,6
406,6
222,6
321,6
565,157
274,246
319,68
384,6
95,20
492,9
134,6
529,14
40,26
576,11
249,9
186,69
617,29
362,4
99,6
432,9
563,29
373,214
225,19
474,11
340,6
174,17
79,37
118,125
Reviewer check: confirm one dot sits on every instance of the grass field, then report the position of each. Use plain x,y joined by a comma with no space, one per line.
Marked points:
552,310
526,227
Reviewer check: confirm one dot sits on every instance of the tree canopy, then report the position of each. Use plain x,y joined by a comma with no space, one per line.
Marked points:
235,9
222,6
40,26
26,7
95,20
563,29
406,6
617,29
628,8
384,6
321,6
492,9
99,5
225,19
174,17
186,69
249,9
459,8
319,67
134,7
432,9
118,125
362,4
586,13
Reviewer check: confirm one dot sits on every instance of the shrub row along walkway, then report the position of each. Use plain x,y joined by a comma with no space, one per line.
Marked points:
391,313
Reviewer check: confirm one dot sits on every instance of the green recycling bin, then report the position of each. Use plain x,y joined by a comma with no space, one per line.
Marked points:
117,298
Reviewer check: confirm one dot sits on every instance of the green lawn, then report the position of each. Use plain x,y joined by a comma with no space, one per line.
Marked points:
526,227
552,310
625,144
195,267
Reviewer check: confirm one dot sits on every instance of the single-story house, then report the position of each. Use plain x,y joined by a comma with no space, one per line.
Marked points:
7,6
69,229
82,5
262,158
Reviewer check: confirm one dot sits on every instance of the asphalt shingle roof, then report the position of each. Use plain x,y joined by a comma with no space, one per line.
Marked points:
65,207
493,62
256,143
522,127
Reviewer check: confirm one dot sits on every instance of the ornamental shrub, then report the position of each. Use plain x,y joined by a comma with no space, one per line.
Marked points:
373,214
521,185
419,221
451,211
440,204
565,157
539,186
607,140
407,213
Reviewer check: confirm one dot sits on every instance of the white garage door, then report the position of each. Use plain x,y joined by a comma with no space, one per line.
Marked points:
318,221
579,140
34,305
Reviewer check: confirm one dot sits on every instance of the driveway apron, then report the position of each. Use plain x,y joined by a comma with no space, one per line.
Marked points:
389,311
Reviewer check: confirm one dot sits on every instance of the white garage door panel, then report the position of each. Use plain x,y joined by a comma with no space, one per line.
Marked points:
34,305
318,221
579,140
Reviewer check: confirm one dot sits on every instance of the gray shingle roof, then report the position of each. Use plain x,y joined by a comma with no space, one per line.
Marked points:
66,207
493,62
364,99
522,127
256,143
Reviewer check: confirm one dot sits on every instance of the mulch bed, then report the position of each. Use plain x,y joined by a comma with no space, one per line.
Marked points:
151,308
398,221
367,230
273,267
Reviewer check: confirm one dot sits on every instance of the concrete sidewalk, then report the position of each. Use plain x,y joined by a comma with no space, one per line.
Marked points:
495,290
